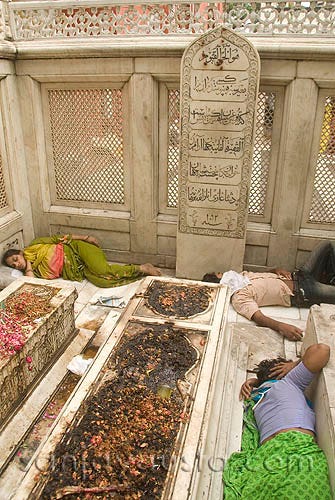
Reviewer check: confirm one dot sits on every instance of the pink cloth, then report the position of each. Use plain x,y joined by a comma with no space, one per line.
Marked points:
265,289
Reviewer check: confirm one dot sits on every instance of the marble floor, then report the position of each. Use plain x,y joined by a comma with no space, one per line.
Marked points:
94,322
30,427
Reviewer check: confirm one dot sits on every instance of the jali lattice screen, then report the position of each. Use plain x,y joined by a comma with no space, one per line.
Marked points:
87,144
3,196
323,204
262,152
173,145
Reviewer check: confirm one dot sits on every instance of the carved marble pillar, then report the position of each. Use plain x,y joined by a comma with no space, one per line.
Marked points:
219,85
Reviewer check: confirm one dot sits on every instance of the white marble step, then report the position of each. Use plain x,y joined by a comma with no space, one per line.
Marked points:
230,429
321,329
224,436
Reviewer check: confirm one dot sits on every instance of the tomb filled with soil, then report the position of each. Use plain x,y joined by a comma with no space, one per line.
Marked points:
178,300
20,313
122,442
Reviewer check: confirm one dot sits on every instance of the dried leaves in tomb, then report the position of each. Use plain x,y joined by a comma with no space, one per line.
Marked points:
157,355
121,442
181,301
18,313
29,303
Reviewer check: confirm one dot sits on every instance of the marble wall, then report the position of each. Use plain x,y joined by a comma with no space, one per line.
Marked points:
144,227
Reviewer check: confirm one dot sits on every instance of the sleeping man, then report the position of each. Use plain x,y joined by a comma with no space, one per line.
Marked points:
314,283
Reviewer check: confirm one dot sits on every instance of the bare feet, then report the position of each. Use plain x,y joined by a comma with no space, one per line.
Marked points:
150,270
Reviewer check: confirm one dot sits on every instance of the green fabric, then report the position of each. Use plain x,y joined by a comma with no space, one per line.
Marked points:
84,260
290,466
45,260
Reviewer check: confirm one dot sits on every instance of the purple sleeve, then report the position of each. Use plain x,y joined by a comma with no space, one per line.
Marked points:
300,376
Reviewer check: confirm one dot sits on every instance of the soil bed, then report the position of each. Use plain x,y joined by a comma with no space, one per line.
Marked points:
179,301
123,437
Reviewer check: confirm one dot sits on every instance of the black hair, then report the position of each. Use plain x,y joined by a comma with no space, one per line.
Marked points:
9,253
211,278
264,367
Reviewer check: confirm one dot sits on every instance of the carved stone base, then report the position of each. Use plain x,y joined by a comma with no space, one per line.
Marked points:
205,254
44,345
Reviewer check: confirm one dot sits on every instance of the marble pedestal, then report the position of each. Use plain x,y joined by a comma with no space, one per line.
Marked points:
44,344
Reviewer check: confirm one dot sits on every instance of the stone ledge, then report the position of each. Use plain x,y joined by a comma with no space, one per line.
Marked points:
157,46
321,329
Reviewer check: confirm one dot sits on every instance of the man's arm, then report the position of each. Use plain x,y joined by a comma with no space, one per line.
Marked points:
289,331
316,357
283,368
247,387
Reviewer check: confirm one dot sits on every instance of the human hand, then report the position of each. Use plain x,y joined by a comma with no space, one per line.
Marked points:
28,270
282,273
92,240
247,387
290,332
281,369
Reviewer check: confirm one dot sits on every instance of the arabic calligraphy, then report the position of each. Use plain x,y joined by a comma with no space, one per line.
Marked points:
228,86
213,170
219,219
218,103
222,52
209,115
211,194
217,144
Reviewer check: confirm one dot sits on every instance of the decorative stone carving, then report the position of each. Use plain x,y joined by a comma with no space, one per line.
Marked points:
81,19
43,345
219,90
219,87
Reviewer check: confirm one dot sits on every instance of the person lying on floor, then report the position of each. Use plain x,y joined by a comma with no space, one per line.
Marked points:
73,257
314,283
280,458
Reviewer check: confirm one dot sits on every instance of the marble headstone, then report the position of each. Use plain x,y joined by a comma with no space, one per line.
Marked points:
219,87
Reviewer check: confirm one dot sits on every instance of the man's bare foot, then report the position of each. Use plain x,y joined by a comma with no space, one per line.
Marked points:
150,270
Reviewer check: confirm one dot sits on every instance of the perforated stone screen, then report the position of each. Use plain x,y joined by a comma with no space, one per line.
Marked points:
110,19
3,196
262,152
87,144
323,205
173,153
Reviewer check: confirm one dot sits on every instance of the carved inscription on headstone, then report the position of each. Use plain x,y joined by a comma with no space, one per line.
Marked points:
220,74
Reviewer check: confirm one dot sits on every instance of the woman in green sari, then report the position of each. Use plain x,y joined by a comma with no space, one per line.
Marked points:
74,257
